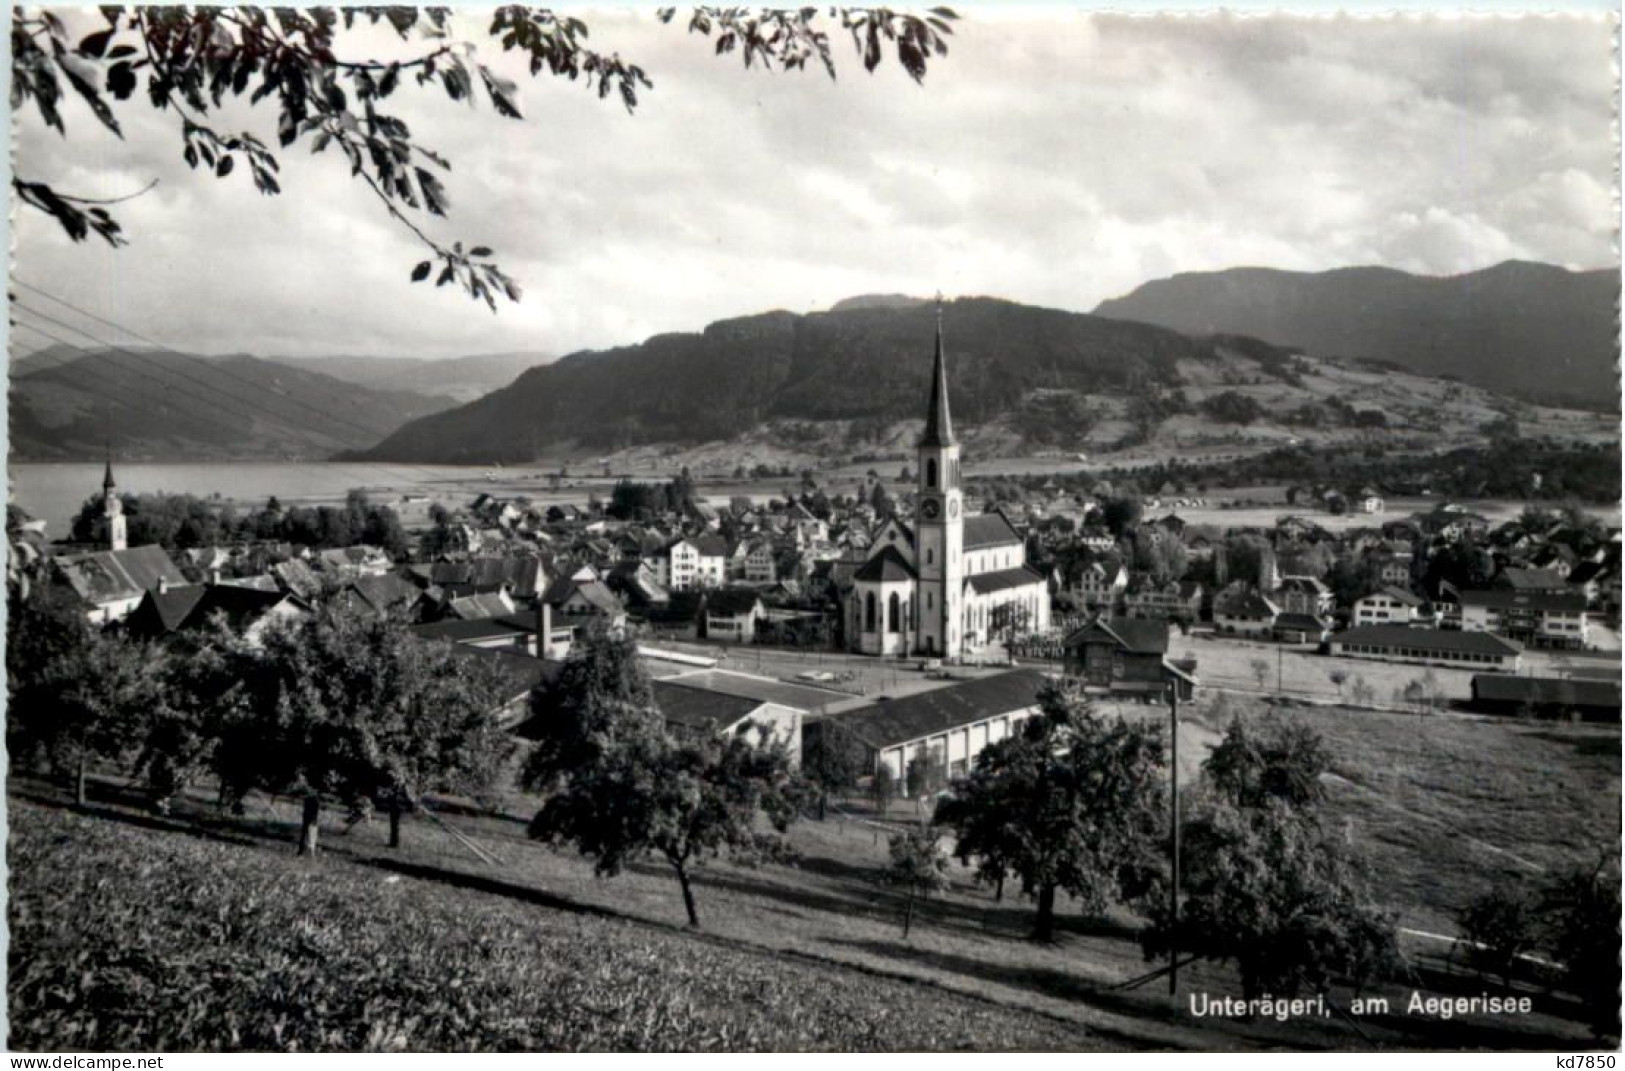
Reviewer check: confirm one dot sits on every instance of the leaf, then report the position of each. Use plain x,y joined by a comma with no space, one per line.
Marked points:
445,276
421,272
480,251
224,167
85,88
121,81
96,44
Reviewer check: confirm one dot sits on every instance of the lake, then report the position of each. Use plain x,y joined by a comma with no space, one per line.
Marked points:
54,491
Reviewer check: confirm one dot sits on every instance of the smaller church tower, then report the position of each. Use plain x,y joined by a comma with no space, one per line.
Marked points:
113,509
940,522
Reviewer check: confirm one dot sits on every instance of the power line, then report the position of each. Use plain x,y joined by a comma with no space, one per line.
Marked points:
250,406
217,367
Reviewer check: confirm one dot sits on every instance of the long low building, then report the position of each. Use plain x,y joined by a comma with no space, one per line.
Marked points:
1428,646
951,724
1548,697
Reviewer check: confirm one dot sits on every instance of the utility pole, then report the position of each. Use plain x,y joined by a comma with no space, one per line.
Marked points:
1173,826
1280,657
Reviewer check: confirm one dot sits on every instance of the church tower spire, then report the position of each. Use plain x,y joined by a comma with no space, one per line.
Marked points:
939,425
113,508
939,523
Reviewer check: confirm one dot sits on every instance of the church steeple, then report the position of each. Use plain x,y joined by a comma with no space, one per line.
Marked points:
939,426
113,508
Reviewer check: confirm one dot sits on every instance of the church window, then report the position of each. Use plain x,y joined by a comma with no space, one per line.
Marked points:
894,614
928,555
928,603
869,612
931,472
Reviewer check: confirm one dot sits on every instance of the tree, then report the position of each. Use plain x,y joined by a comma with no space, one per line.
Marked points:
881,502
73,694
1268,757
1496,929
927,771
1164,557
882,789
1338,677
1260,670
1582,913
359,710
1267,889
918,865
1122,513
619,787
194,59
1264,885
1073,801
832,760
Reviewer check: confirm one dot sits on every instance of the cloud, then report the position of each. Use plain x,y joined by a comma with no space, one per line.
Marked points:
1054,158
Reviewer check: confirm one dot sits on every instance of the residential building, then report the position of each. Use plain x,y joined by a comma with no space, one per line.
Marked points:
1392,606
731,615
1125,655
1537,619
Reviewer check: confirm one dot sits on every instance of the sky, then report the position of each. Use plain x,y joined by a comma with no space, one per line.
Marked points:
1053,157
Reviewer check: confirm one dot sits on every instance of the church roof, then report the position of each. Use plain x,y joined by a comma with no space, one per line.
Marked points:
988,530
889,564
939,426
1003,580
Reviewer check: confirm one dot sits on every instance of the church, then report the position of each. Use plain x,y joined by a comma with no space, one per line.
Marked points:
950,583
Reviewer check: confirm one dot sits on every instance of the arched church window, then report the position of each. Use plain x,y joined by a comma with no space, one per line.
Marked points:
931,472
869,612
928,555
894,613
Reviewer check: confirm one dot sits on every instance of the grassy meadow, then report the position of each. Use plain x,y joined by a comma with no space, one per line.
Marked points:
809,956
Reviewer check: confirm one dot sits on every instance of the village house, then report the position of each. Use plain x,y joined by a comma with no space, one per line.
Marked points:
1303,595
248,612
730,615
1244,612
110,584
761,566
721,704
1177,600
1125,656
1099,585
1392,606
1536,619
694,562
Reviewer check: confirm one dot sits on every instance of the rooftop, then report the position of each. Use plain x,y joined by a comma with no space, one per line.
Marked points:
888,722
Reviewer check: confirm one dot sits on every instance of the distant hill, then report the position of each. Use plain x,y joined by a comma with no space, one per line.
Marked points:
865,364
159,405
876,301
460,378
1535,331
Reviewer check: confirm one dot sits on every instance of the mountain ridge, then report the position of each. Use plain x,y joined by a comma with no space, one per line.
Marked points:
1537,331
162,405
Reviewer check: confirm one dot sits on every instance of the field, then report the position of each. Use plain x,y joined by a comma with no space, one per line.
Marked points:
1448,807
804,956
201,943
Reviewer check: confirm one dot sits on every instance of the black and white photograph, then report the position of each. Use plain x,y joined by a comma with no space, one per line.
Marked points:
970,528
